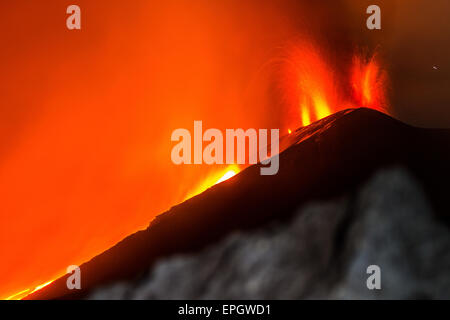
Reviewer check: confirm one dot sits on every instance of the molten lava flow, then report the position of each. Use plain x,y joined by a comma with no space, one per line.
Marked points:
219,177
22,294
314,88
18,295
227,175
41,286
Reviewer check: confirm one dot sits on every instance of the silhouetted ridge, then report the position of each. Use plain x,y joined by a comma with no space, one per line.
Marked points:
318,162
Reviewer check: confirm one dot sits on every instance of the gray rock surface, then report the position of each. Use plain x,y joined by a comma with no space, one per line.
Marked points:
323,253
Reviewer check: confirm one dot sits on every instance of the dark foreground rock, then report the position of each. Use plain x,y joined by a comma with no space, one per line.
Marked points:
323,252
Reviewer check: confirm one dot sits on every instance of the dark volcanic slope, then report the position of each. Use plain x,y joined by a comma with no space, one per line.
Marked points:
322,253
323,160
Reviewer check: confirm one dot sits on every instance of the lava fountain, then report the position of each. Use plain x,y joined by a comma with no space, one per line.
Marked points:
312,86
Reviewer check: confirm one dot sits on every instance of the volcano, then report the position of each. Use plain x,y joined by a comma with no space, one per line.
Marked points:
325,160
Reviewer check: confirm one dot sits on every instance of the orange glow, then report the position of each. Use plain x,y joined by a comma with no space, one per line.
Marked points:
86,119
315,89
289,131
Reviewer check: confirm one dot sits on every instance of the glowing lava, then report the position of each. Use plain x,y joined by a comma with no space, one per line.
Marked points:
227,176
314,88
22,294
214,179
